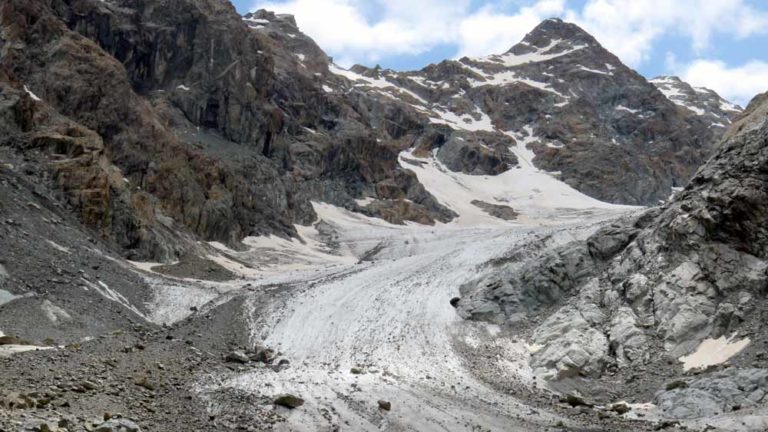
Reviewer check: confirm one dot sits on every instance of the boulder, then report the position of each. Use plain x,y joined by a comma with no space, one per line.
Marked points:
721,392
236,357
289,401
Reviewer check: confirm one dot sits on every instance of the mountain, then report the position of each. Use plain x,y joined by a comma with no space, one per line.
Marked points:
206,223
193,122
600,126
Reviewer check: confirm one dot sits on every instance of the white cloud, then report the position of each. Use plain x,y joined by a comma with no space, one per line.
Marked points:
489,32
738,84
366,31
402,27
629,28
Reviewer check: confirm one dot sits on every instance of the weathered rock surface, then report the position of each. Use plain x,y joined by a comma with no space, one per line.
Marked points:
182,121
496,210
118,425
721,392
649,289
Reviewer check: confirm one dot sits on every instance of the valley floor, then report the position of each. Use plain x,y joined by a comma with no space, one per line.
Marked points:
369,319
358,310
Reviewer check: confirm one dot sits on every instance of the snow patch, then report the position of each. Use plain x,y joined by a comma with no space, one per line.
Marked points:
59,247
365,201
535,194
256,20
540,55
32,95
713,352
377,83
7,297
9,350
727,106
464,122
629,110
110,294
595,71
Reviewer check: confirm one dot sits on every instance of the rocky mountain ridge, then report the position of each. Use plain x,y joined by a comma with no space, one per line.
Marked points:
697,99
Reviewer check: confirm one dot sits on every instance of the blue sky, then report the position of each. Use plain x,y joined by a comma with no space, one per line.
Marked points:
718,44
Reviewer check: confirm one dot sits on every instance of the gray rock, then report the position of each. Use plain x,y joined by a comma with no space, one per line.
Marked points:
715,394
289,401
496,210
118,425
473,155
628,342
570,343
237,357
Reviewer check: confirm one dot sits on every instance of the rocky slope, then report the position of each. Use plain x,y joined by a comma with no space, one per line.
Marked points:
666,305
181,120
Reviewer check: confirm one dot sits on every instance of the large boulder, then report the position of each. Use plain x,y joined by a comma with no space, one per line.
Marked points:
720,393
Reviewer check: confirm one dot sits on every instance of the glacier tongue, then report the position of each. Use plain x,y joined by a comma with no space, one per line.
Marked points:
390,316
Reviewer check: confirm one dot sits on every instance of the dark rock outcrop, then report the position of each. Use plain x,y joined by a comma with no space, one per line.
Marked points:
183,121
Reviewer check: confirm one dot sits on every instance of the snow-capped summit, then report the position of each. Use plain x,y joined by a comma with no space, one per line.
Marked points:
599,124
557,34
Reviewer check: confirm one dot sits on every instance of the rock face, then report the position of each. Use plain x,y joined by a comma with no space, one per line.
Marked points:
183,121
289,401
648,290
722,392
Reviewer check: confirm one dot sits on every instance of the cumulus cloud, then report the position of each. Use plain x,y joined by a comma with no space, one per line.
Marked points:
737,83
344,29
366,31
488,31
630,28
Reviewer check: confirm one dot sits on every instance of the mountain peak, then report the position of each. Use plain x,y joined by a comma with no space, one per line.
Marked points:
553,30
